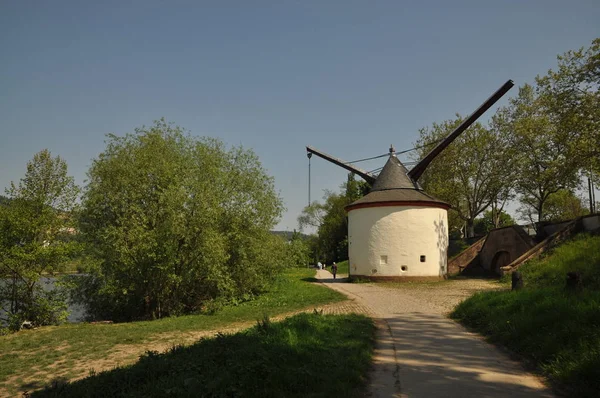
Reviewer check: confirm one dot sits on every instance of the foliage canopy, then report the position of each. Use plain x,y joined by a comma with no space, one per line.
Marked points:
331,221
36,227
177,223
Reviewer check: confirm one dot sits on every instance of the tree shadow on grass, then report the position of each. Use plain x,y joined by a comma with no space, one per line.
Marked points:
301,356
440,358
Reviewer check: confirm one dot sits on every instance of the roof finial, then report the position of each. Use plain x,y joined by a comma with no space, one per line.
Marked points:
392,150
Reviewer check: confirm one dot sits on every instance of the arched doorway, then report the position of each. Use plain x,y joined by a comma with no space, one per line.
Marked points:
500,259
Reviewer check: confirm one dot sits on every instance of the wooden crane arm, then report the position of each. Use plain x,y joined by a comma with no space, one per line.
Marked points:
368,177
418,170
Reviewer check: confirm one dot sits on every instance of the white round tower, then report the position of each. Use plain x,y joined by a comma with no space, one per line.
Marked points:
397,231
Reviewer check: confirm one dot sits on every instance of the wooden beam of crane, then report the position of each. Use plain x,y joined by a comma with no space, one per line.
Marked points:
418,170
368,177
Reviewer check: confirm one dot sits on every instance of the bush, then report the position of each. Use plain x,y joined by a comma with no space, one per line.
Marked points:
33,242
176,222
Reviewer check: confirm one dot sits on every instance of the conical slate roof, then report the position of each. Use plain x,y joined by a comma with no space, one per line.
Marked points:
393,176
394,187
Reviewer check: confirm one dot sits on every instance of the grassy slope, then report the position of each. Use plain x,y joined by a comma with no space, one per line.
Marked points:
343,267
303,356
37,352
556,330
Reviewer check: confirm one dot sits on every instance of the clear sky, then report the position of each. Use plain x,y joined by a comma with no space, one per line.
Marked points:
348,77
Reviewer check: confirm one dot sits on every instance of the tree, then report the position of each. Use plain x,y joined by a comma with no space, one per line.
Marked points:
313,214
297,251
571,94
491,221
4,200
543,164
331,221
470,174
564,205
456,225
178,224
36,225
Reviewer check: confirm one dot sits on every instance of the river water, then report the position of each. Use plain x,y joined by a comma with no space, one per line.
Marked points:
76,311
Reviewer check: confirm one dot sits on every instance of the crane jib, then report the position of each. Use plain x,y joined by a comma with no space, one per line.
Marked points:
418,170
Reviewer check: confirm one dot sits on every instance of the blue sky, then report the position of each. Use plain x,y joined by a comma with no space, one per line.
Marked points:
348,77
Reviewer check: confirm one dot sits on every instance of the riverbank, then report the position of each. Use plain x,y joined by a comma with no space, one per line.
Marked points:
305,355
30,359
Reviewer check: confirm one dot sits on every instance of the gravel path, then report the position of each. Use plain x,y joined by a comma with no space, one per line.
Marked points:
422,353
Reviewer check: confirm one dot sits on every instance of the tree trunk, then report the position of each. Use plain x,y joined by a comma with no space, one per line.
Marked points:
495,215
470,228
539,210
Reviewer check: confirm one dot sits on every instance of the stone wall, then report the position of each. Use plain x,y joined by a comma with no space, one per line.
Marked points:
551,241
591,222
468,258
503,246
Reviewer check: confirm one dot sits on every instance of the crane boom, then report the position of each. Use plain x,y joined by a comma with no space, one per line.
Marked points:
368,177
418,170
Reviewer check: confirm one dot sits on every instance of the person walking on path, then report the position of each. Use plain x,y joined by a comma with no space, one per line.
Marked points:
334,269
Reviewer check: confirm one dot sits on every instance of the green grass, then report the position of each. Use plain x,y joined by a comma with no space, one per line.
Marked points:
308,355
581,254
342,267
36,352
556,330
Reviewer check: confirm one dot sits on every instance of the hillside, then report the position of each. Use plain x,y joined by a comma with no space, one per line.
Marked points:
555,329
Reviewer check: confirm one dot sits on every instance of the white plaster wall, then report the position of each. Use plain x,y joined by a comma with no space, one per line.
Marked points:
403,234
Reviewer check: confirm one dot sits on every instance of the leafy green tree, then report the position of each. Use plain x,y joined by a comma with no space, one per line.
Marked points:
178,224
312,215
331,220
491,221
564,205
571,95
333,233
36,227
470,174
297,251
543,164
456,225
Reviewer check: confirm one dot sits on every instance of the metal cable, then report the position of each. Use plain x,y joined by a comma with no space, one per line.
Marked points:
397,153
362,160
419,147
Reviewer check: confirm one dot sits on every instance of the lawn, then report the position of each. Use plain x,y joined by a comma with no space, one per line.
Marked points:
30,358
556,330
343,267
308,355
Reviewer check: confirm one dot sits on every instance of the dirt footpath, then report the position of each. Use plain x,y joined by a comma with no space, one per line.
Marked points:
422,353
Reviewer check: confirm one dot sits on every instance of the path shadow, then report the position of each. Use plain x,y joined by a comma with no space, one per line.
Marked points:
438,358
